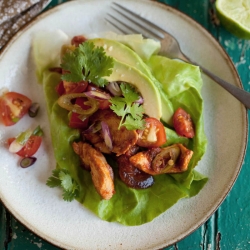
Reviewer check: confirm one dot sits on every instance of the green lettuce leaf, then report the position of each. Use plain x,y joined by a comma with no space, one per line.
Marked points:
181,84
128,206
46,51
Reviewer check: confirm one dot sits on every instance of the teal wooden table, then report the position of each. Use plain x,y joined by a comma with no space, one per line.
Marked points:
229,227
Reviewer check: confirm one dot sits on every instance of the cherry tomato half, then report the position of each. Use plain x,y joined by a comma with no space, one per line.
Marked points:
13,106
183,123
75,121
153,135
30,147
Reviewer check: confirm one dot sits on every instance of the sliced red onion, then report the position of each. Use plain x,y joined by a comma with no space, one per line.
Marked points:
114,88
27,162
106,135
97,95
140,100
93,128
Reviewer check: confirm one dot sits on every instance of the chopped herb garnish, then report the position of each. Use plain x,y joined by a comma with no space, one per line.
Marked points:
38,131
87,63
126,107
61,178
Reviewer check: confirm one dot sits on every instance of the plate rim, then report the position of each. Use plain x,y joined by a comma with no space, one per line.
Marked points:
225,55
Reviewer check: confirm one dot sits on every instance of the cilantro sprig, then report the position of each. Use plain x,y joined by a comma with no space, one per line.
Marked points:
61,178
131,112
87,63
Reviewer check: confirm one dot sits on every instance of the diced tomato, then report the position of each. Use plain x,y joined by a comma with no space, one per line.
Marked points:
60,88
30,147
77,40
81,87
103,104
13,106
153,135
183,123
75,87
75,121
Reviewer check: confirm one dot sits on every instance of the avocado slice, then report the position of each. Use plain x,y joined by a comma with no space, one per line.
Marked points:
126,55
144,85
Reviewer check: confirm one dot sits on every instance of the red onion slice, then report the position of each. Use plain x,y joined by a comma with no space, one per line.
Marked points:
114,88
140,100
27,162
97,95
93,128
106,135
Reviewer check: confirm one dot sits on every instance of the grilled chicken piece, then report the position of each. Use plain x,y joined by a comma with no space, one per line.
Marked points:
143,160
172,159
130,175
102,174
132,151
97,140
122,139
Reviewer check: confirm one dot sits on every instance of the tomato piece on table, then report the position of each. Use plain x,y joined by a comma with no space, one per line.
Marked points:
30,147
103,104
153,135
13,106
75,121
183,123
77,40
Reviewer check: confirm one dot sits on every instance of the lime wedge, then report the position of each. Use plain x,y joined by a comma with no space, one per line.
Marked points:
235,16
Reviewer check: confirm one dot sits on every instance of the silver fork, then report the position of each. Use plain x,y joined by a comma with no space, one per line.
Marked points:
169,46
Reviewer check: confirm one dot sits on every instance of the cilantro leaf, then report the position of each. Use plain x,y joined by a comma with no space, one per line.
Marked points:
66,180
118,105
72,63
131,113
61,178
129,93
136,111
131,124
88,63
53,180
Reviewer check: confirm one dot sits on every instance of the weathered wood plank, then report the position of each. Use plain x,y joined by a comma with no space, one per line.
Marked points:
2,226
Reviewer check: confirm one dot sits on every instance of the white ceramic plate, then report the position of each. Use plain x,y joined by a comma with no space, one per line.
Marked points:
71,226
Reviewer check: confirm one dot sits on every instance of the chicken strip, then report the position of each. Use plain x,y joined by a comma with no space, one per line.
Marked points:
122,139
101,172
172,159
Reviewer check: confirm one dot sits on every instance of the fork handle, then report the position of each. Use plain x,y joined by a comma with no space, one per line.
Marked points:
240,94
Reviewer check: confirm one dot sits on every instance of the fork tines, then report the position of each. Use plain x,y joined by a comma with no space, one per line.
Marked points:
129,22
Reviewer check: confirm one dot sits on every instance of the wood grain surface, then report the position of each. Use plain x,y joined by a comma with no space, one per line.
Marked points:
229,227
